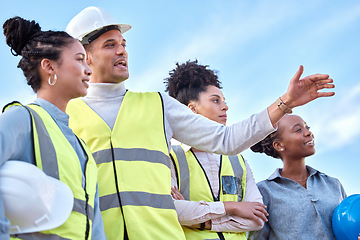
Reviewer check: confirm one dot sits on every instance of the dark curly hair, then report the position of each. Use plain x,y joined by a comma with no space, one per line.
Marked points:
266,145
189,79
25,38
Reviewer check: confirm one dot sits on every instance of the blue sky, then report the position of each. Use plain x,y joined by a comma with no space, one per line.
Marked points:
256,46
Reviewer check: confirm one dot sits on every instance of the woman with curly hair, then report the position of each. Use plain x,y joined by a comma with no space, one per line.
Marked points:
216,195
54,64
300,200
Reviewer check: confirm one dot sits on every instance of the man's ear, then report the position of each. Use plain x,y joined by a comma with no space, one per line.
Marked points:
88,58
47,65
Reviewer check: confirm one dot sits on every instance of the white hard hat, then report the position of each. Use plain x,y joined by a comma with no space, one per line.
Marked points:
32,200
91,22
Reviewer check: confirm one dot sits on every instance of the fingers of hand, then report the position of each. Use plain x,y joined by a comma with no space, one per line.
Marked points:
261,212
322,81
321,84
317,77
298,73
176,194
325,94
260,218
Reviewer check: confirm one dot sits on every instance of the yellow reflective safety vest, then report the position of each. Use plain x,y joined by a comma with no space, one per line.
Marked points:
57,158
194,186
133,163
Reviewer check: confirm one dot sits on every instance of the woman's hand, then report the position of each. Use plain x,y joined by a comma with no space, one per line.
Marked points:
175,193
251,210
302,91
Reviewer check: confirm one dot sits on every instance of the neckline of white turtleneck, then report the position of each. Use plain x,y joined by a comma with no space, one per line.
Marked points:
106,90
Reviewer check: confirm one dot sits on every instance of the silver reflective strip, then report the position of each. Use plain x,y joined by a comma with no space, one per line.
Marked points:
108,202
79,206
184,171
133,154
238,171
49,160
47,150
38,236
137,199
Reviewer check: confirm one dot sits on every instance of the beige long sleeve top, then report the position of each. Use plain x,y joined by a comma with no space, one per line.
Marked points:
191,212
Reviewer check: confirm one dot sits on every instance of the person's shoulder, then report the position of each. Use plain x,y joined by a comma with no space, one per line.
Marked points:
141,93
15,110
329,178
167,97
269,182
324,176
15,114
146,94
264,184
265,189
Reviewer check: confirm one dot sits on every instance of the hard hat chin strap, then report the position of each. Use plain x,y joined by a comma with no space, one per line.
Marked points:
95,34
38,222
42,220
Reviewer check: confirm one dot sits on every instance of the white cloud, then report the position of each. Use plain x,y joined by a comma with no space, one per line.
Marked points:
335,23
339,125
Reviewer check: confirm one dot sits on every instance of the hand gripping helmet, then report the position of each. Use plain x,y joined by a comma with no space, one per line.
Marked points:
32,200
346,218
91,22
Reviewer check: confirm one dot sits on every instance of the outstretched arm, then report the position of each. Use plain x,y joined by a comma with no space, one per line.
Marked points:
300,92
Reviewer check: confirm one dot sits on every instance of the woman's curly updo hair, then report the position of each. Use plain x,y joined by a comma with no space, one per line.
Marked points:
189,79
266,145
25,38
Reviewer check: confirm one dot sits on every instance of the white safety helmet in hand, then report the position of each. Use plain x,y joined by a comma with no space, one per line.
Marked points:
32,200
91,22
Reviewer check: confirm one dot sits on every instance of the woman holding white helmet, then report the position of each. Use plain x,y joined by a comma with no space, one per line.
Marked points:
54,65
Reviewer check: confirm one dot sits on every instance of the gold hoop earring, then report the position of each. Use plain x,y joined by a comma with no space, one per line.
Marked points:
50,82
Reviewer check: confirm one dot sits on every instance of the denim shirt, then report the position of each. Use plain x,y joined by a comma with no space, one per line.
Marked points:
296,212
15,144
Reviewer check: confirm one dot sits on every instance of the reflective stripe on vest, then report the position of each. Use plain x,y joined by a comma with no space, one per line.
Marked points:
57,158
134,154
133,167
196,185
183,170
239,171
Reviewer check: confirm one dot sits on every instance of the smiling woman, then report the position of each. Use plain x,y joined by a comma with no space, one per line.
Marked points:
73,75
54,65
299,199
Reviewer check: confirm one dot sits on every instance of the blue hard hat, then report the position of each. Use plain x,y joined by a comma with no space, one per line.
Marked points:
346,218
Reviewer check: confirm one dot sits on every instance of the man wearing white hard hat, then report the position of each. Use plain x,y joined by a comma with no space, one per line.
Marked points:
129,133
